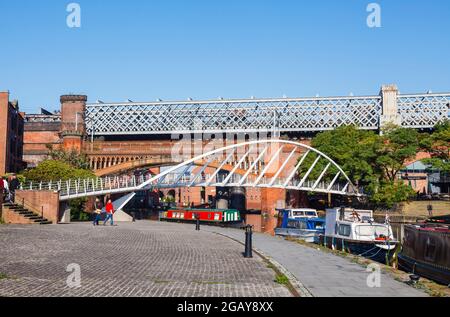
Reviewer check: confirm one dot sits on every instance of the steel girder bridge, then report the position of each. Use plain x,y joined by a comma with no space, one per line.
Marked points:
419,111
270,167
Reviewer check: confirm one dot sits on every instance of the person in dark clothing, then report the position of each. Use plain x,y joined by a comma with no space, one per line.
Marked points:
13,185
97,212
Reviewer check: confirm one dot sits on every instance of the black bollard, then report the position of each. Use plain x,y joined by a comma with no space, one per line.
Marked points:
197,226
248,242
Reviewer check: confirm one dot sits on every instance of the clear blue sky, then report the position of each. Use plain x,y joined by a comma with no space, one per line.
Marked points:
175,49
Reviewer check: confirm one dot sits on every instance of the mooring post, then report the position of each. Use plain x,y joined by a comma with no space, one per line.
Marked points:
248,242
197,225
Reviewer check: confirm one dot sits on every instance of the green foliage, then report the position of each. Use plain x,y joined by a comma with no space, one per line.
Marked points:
73,158
438,145
168,199
396,147
54,171
281,279
350,148
371,161
77,212
20,177
391,193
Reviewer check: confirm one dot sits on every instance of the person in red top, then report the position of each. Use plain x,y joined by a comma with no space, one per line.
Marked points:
109,212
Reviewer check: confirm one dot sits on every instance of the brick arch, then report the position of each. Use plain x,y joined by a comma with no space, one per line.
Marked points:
126,164
155,162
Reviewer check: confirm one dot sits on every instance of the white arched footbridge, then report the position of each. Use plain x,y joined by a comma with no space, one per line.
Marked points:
276,164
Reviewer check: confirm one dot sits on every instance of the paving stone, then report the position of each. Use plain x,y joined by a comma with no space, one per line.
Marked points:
323,274
142,259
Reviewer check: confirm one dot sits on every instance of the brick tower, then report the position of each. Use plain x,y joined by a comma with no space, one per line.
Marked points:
73,126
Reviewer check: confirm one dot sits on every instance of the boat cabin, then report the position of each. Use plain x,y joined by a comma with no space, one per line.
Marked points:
302,213
354,224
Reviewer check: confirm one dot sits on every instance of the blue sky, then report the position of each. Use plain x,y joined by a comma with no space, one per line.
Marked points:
176,49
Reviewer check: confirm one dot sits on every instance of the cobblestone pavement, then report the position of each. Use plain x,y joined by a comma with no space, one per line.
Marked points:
323,274
141,259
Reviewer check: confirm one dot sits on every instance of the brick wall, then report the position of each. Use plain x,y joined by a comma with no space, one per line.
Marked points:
271,199
10,217
4,99
38,201
11,135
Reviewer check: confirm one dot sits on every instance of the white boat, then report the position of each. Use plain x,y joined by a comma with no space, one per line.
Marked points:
356,232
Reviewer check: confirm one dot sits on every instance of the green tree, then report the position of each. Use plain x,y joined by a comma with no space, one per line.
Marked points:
438,145
352,149
371,161
396,147
73,158
392,192
50,170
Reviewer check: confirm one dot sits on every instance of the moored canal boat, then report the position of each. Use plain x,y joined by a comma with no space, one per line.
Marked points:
306,226
426,250
356,232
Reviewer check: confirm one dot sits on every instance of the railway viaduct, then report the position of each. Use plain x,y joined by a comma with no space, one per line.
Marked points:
120,137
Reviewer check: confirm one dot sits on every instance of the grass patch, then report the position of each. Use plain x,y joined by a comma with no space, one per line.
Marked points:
271,266
210,283
430,287
161,282
282,279
3,276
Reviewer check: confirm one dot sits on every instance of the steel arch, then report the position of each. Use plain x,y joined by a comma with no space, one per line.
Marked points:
237,176
347,189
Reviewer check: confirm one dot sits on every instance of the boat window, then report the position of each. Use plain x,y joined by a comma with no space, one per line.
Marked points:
373,231
311,213
430,249
344,230
298,213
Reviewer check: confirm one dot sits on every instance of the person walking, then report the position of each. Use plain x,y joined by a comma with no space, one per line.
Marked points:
13,185
109,213
97,211
6,194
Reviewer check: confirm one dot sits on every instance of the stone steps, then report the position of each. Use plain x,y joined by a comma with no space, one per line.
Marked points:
26,215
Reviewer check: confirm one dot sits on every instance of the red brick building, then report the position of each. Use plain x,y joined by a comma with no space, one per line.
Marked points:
11,135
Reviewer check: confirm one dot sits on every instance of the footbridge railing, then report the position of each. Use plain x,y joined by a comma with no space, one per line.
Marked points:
259,164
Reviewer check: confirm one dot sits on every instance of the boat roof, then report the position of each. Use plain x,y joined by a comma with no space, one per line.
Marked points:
307,219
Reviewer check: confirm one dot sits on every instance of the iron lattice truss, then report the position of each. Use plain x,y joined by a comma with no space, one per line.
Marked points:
423,111
284,115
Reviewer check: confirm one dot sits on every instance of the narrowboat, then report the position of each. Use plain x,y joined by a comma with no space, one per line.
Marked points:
204,215
302,224
426,250
355,231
